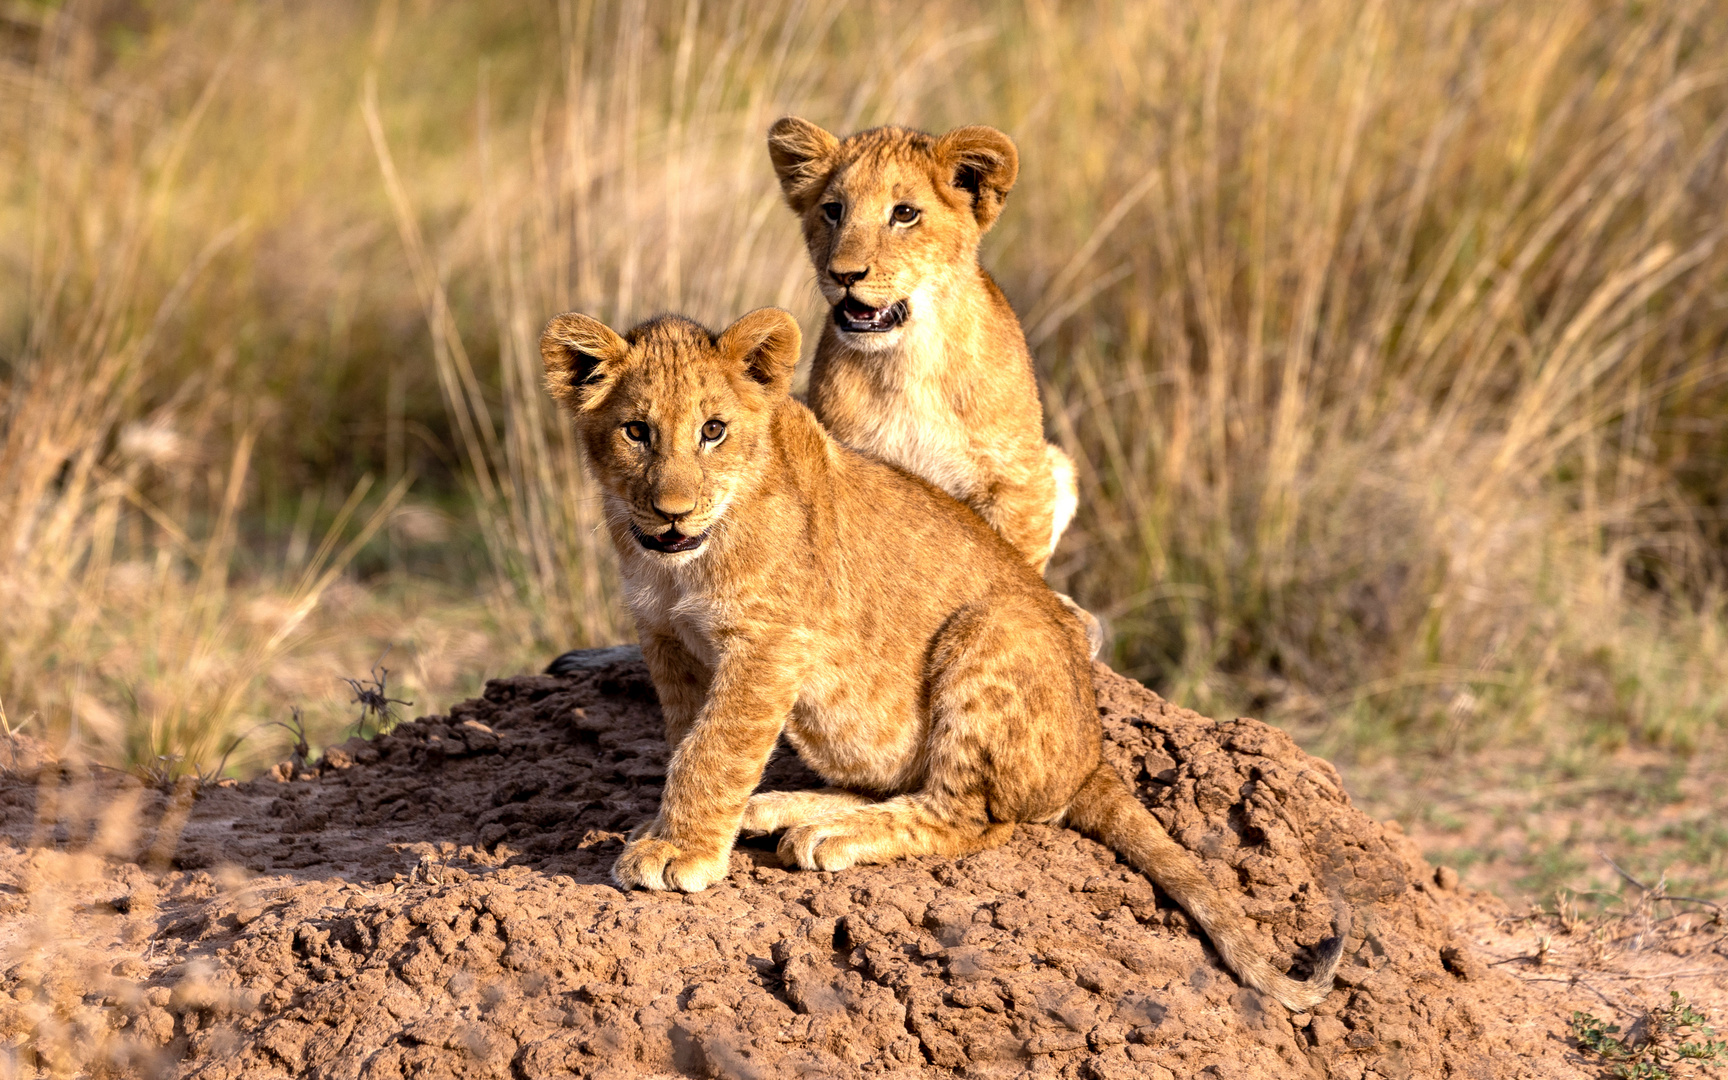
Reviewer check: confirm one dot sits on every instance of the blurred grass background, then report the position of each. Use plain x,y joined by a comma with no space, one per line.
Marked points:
1391,339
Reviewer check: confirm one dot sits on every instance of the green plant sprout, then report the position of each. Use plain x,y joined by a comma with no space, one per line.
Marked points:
1667,1040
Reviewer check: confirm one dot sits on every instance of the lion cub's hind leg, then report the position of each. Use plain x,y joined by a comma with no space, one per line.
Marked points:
1007,742
776,811
916,824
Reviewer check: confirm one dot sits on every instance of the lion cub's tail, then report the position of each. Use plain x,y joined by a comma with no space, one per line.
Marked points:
1107,811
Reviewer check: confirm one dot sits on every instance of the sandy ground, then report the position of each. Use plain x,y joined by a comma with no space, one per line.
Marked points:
435,902
1531,824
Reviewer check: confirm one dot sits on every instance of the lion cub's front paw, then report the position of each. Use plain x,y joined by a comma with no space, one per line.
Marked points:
652,863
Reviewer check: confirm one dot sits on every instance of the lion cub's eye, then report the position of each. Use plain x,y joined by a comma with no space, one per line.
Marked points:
714,430
636,431
832,211
906,215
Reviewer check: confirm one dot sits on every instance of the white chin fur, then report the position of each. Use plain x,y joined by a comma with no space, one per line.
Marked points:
879,341
677,558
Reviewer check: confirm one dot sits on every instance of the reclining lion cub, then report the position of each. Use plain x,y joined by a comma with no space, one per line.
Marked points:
781,582
923,363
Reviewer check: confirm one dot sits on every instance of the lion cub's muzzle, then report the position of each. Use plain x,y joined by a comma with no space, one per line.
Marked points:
670,542
855,317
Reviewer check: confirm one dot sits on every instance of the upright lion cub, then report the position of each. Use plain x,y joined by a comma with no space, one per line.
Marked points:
923,363
783,583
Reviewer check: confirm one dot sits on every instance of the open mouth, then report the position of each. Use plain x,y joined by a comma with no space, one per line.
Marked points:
855,317
670,542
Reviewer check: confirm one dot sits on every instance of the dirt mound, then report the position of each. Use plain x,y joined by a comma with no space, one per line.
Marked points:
436,902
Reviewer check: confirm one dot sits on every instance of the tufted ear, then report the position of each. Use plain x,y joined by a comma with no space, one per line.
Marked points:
577,351
983,163
765,343
801,152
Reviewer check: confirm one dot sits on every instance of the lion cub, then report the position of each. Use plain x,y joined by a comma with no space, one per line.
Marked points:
783,583
923,363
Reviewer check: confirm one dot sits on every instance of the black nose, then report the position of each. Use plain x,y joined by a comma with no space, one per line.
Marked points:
849,278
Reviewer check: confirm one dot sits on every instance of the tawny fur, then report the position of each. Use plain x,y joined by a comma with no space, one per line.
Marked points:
949,394
912,657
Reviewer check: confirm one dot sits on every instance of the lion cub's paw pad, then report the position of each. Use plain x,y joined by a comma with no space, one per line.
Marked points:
652,863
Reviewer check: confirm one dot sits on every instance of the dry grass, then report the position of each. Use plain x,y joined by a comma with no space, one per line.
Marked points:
1390,337
1425,312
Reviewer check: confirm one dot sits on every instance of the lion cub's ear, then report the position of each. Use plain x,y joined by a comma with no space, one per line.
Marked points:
765,343
983,163
801,152
577,351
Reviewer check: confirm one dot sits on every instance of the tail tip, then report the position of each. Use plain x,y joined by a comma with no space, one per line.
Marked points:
1304,995
1326,956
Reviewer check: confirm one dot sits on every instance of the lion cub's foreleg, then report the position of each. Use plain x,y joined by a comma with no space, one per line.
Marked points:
680,682
1023,513
1031,506
715,766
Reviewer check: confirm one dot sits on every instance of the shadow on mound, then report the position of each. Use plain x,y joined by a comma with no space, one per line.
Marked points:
542,771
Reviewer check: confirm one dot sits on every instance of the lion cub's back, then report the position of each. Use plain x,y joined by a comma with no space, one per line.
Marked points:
918,545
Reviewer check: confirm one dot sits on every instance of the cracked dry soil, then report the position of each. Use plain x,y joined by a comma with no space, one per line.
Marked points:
436,903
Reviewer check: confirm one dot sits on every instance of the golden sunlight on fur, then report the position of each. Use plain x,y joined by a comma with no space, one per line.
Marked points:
782,583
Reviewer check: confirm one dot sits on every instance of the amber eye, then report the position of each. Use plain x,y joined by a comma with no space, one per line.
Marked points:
714,430
636,431
905,215
832,211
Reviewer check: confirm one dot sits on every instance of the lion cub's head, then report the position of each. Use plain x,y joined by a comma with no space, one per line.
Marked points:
889,214
672,418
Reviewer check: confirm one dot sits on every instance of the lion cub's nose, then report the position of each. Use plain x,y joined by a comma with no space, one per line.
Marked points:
849,278
673,508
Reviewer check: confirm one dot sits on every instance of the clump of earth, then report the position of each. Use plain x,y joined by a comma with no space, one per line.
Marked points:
436,902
